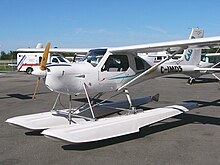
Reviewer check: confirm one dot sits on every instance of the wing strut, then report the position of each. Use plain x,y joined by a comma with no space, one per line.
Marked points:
216,76
213,74
150,70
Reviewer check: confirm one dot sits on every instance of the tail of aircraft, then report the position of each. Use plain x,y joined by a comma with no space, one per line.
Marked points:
39,45
192,56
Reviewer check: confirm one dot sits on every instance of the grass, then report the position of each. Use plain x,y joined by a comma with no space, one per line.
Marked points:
6,68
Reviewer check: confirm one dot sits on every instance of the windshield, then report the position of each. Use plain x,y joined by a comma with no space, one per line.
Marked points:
61,59
94,56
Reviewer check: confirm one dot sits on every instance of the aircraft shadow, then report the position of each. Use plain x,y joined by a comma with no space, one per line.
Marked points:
197,80
206,103
84,100
34,133
21,96
145,131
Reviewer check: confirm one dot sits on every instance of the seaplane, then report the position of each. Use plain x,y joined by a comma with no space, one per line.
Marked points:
109,70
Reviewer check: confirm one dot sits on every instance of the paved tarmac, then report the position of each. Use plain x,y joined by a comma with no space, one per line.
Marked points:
191,138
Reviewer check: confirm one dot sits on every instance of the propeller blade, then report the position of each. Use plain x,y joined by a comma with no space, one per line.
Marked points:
42,68
45,57
36,88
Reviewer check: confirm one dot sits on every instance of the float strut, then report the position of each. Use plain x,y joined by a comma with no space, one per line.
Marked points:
58,96
70,108
129,101
87,96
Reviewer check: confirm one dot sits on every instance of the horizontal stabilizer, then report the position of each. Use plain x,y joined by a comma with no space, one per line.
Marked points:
190,105
156,97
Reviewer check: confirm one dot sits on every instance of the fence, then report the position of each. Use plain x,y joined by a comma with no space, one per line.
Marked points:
8,65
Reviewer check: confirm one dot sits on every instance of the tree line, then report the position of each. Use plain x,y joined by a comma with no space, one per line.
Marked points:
8,56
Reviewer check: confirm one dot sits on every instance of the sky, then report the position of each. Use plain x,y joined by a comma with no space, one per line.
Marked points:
101,23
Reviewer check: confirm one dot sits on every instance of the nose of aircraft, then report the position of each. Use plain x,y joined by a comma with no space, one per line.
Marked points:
55,78
64,78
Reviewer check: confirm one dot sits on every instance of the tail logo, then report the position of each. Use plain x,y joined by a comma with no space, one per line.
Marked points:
189,52
188,55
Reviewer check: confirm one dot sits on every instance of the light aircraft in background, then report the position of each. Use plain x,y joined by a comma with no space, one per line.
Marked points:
189,57
108,70
211,70
155,57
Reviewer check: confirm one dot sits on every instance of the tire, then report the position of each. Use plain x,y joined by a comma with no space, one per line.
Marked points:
191,81
29,70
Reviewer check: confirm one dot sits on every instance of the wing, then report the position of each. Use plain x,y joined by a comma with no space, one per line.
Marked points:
208,70
55,50
171,45
212,54
164,46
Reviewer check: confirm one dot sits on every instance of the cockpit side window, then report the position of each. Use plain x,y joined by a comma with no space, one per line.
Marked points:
116,63
141,64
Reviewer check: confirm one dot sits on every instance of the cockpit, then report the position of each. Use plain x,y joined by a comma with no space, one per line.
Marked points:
94,56
115,62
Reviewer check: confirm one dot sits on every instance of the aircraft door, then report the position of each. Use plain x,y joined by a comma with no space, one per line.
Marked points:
113,72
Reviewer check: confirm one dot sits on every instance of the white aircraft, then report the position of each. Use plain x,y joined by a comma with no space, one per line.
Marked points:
109,70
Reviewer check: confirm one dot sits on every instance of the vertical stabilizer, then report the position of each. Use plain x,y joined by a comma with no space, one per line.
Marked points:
39,45
192,56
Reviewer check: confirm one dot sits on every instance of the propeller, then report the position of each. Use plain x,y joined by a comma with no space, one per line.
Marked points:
42,68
